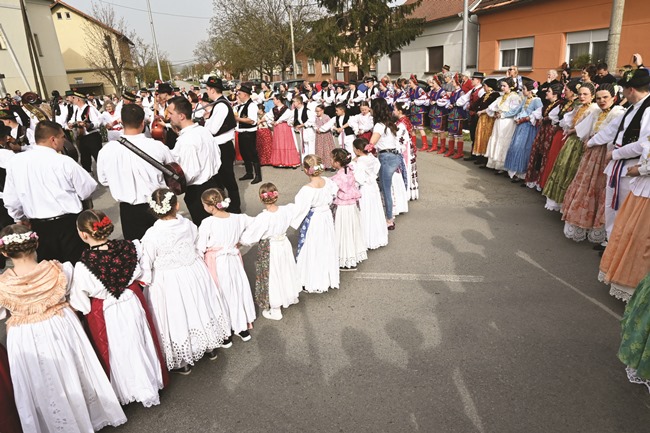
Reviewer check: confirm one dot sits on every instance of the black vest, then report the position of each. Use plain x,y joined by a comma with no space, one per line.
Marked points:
229,122
348,131
70,112
633,130
243,113
303,118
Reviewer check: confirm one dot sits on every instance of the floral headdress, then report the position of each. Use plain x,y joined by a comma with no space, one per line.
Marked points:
269,194
102,223
165,205
17,238
223,204
314,169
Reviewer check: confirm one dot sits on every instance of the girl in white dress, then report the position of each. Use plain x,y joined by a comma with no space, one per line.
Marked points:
317,253
373,221
219,237
347,224
58,381
105,289
190,316
276,282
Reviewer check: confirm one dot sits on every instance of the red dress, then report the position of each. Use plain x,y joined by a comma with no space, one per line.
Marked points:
284,153
9,421
264,143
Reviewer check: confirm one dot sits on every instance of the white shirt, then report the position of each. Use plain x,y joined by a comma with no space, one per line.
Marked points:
387,140
326,97
362,124
44,184
130,178
463,101
197,153
5,156
251,114
29,134
215,121
93,117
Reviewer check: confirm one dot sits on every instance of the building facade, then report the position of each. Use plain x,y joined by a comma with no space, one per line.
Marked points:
73,29
440,43
540,35
16,65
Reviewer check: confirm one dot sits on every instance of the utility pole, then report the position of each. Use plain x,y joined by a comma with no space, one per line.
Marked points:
463,60
293,44
614,39
155,43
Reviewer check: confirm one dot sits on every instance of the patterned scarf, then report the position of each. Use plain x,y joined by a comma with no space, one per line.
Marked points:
114,267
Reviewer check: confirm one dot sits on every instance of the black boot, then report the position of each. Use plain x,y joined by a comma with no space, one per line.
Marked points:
258,173
249,171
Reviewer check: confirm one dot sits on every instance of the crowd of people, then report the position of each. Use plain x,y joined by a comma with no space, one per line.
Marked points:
174,289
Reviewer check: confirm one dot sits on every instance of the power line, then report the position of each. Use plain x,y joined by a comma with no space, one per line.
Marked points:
156,13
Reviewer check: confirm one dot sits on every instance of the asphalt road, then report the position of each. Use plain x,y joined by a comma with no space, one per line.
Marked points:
479,316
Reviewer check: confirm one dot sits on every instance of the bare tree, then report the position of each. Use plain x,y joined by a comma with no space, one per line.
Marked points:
108,48
142,54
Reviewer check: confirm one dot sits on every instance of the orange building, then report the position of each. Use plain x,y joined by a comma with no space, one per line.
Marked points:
538,35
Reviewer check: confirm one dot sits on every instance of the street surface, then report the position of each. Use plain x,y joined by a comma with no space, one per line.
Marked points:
479,316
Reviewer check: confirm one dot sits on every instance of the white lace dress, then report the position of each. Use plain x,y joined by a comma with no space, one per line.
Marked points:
318,259
284,286
217,242
135,368
190,314
373,218
59,384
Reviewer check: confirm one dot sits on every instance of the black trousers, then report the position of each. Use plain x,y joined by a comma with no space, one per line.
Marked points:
248,149
58,239
473,121
193,200
89,147
226,176
136,220
170,138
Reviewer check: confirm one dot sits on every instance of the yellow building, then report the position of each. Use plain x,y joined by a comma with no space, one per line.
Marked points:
17,71
85,43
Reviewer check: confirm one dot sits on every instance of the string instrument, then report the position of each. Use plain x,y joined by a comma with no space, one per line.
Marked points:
158,124
172,172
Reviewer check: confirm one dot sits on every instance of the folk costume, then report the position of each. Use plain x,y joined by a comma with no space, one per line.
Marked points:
516,162
347,223
131,180
264,142
305,134
325,142
373,219
121,327
89,138
247,136
507,106
559,138
469,101
548,117
455,122
285,149
217,242
47,345
484,122
9,420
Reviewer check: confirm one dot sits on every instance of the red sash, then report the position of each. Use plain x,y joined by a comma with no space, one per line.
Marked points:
97,327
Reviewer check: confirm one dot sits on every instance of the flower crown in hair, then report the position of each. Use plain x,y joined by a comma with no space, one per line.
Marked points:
270,194
165,205
223,204
17,238
101,224
315,168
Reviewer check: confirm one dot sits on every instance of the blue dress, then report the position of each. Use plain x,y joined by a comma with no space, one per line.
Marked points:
457,115
437,114
523,138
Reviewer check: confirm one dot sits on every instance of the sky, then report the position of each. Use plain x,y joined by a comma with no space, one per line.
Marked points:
177,33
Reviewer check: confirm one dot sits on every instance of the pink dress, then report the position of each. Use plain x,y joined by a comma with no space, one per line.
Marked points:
285,152
324,140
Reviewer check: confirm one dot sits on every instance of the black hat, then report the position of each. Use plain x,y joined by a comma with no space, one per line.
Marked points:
177,89
573,84
144,89
128,96
7,115
246,89
4,130
165,88
635,78
446,68
368,79
78,94
492,83
479,75
324,83
204,97
215,83
56,94
354,83
69,93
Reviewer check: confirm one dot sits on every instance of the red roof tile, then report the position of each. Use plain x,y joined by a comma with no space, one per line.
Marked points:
433,10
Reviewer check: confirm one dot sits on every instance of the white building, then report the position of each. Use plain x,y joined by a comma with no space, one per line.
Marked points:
15,59
440,43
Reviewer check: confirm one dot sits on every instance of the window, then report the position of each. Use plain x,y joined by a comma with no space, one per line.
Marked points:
59,16
436,59
396,62
299,68
517,52
38,45
67,16
311,69
325,67
78,80
592,43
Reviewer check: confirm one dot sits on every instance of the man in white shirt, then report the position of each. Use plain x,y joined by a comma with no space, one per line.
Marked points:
221,123
246,117
45,189
18,133
86,121
197,153
326,97
130,178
